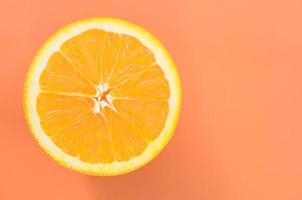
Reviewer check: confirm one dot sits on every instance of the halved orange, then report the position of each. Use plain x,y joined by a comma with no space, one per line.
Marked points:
102,96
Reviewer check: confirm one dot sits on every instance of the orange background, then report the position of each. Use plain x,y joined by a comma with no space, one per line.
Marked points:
240,132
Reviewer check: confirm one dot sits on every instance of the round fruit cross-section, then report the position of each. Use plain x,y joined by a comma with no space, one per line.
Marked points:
102,96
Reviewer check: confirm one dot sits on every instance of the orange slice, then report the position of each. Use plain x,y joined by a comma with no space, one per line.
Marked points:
102,96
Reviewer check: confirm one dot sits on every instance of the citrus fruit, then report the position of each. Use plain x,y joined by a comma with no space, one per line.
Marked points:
102,96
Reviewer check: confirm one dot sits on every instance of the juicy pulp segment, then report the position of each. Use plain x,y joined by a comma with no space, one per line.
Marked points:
138,88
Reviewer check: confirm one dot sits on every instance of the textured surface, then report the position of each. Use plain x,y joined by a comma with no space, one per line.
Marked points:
239,135
138,89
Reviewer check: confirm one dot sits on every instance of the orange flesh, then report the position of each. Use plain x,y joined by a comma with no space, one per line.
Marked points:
69,92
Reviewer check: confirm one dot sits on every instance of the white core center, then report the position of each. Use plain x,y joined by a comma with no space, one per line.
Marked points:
102,99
